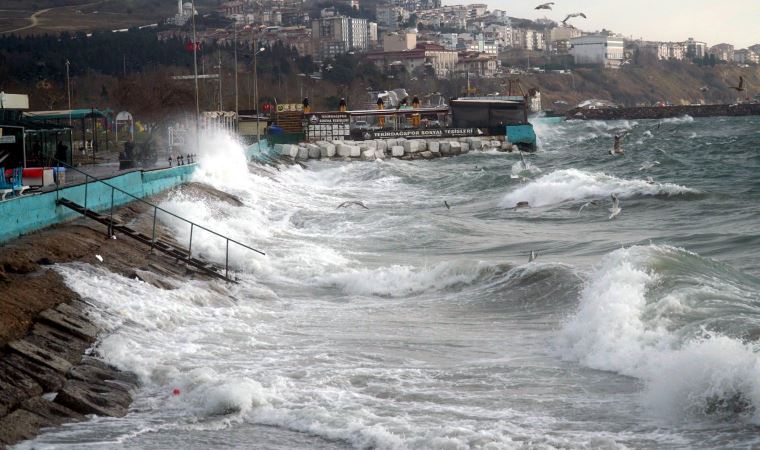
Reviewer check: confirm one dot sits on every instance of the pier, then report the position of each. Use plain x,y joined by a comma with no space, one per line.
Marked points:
664,112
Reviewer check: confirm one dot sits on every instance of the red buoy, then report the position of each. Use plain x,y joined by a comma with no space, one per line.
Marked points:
175,392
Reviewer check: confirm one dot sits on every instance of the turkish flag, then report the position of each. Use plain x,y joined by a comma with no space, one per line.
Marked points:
193,46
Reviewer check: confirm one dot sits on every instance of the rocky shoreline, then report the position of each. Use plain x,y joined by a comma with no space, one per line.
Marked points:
50,372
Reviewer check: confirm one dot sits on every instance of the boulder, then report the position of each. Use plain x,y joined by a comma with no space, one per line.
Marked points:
397,151
427,154
94,398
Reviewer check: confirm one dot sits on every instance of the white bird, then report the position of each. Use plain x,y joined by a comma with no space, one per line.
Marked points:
349,203
648,165
650,180
533,256
570,16
589,204
615,210
99,258
545,6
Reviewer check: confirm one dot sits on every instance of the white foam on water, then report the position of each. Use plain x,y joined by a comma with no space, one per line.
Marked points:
618,327
572,185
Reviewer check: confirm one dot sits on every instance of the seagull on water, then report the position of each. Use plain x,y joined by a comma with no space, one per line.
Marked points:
570,16
615,210
349,203
588,204
545,6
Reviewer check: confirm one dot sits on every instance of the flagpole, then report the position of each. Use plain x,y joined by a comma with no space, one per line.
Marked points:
237,109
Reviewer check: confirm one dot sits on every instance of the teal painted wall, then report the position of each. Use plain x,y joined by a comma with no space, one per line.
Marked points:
21,215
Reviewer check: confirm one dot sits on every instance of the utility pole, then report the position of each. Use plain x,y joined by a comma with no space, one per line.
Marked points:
256,89
68,89
195,72
237,108
221,107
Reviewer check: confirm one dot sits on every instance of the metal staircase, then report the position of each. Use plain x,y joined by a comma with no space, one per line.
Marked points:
181,254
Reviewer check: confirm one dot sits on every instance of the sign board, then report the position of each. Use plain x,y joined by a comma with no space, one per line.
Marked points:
11,139
424,133
327,126
289,107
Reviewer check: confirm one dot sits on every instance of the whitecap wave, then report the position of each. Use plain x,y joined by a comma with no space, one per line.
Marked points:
623,324
572,185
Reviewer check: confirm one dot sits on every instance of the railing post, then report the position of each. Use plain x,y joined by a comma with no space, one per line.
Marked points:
110,225
85,193
153,242
227,261
190,247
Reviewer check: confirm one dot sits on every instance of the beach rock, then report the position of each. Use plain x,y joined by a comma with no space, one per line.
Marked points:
40,356
50,380
15,387
397,151
94,398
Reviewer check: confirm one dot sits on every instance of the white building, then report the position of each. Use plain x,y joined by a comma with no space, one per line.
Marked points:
597,50
746,56
336,35
695,49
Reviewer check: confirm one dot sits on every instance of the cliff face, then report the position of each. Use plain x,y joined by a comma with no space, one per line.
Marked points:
678,83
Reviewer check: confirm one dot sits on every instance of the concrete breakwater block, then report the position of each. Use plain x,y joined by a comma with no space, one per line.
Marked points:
368,154
397,151
434,147
346,150
455,148
413,146
445,148
326,149
465,147
287,150
314,151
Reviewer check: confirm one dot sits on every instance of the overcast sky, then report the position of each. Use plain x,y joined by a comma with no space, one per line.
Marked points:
736,22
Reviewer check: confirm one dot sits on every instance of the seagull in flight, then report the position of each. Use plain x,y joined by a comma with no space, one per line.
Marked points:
545,6
588,204
648,165
446,204
347,204
570,16
739,88
615,210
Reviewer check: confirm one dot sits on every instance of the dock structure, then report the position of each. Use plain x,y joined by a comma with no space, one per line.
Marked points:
664,112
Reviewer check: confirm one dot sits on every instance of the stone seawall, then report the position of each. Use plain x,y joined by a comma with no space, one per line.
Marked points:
664,112
407,149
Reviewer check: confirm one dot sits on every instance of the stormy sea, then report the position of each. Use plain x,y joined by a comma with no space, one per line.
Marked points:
411,324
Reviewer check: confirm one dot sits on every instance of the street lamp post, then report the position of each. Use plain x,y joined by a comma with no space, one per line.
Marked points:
256,88
237,108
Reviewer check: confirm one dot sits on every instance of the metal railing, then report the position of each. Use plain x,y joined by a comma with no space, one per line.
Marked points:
156,208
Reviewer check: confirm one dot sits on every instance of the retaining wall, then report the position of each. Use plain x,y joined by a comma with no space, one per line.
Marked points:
27,213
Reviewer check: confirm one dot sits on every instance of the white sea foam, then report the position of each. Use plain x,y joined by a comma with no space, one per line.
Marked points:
400,281
572,185
678,120
619,327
